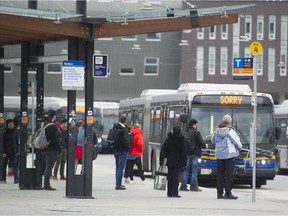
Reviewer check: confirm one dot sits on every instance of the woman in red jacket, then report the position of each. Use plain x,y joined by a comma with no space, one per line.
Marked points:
134,155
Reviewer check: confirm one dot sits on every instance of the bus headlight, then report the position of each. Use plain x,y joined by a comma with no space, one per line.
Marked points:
199,160
263,162
99,140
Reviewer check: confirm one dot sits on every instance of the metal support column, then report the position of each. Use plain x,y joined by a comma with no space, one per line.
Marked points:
80,186
1,113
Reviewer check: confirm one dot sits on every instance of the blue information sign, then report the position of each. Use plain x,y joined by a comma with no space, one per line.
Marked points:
243,69
100,65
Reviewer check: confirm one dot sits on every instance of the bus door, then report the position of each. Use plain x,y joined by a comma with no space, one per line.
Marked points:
163,124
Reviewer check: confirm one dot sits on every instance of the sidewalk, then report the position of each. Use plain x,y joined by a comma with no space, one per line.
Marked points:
138,199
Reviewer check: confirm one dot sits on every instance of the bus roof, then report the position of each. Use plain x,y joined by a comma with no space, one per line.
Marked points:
152,92
192,87
282,109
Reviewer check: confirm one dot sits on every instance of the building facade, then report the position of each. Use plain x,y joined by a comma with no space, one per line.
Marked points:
165,60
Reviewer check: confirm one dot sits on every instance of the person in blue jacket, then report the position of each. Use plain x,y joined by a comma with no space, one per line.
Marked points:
227,144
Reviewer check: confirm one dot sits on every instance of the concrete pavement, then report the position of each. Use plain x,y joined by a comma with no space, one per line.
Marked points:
138,199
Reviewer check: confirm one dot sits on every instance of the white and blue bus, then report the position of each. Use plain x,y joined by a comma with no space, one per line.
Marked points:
281,152
159,110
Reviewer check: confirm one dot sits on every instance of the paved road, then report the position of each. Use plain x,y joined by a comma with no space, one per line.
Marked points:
140,199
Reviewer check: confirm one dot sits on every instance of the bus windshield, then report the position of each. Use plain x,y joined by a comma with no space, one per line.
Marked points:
209,118
110,116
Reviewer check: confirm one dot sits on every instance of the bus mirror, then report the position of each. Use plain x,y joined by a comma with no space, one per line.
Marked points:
277,133
184,117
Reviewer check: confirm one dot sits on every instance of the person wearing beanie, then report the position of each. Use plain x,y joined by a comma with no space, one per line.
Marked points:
50,153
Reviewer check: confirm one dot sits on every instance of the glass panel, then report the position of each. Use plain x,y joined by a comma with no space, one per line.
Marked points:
209,118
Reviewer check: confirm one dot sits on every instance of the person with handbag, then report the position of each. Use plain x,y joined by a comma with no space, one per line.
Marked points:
176,160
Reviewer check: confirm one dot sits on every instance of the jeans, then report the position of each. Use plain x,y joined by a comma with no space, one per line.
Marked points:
192,165
60,160
120,161
12,160
49,158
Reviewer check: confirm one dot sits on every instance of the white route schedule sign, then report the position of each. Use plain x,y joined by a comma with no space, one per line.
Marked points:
73,75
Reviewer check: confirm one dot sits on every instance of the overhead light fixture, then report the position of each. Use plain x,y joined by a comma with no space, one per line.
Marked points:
57,19
136,47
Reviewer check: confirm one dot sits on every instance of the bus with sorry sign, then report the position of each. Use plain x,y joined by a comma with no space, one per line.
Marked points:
158,111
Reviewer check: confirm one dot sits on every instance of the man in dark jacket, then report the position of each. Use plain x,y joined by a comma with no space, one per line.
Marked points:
192,156
10,150
50,153
120,150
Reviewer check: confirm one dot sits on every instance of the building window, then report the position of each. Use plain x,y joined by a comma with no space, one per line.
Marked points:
54,68
247,53
7,68
153,37
151,66
212,33
127,71
200,64
271,65
260,27
236,42
200,33
224,32
129,38
248,26
283,46
212,59
272,27
224,57
259,62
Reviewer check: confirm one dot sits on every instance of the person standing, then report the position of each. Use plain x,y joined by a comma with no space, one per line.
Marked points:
134,155
227,144
176,160
50,153
61,158
193,153
80,142
10,150
120,151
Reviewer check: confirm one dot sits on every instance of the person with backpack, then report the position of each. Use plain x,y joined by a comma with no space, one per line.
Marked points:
120,149
50,153
193,144
134,155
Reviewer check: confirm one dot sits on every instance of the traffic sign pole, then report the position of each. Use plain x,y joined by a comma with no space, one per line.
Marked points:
255,49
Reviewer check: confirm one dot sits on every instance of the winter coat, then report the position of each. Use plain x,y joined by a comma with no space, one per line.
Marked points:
52,135
227,142
198,140
175,149
10,142
137,141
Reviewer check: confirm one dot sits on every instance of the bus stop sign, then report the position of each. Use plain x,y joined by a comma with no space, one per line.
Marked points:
100,65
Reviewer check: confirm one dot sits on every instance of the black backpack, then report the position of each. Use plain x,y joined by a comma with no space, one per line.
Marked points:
190,143
113,137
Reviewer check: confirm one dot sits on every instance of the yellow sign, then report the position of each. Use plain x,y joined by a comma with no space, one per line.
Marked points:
256,48
231,100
